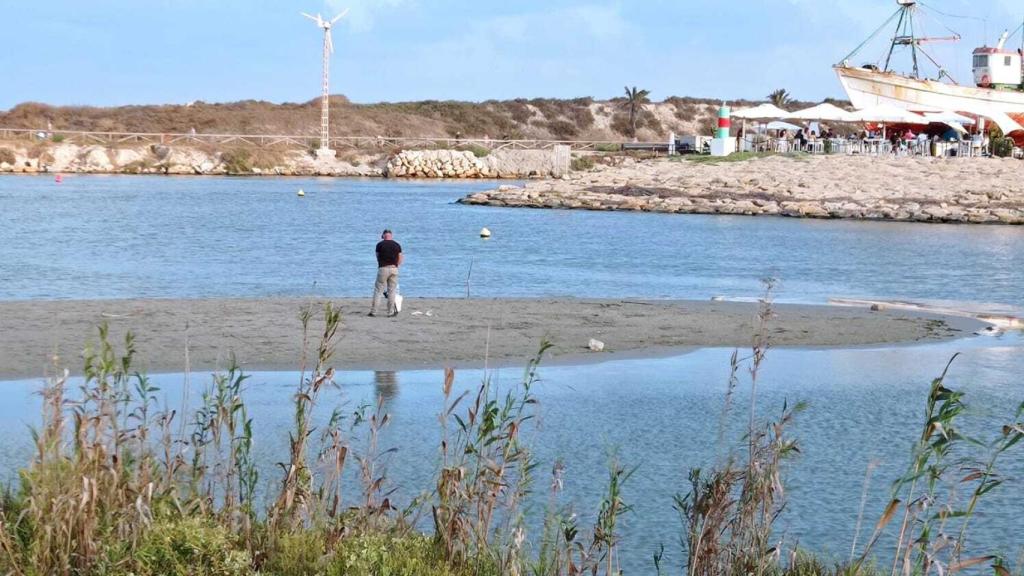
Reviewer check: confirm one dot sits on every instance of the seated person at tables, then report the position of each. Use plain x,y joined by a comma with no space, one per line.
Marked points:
801,139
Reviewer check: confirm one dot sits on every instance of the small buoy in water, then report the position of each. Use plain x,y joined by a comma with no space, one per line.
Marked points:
59,179
485,233
301,193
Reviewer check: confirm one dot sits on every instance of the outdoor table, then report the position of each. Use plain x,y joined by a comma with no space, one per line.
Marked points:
875,146
944,148
838,146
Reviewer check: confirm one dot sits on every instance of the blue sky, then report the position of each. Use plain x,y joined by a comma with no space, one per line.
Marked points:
107,52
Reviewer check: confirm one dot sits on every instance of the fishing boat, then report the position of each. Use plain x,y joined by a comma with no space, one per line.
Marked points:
997,93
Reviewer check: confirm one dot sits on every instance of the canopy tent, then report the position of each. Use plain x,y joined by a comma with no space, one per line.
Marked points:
825,111
761,112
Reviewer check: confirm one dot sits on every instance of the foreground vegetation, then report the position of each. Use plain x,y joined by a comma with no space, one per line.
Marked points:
120,484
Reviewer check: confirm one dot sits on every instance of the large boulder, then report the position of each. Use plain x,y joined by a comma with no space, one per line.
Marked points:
96,159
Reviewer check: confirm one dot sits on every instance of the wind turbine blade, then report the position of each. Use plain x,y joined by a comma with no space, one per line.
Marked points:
339,16
330,42
313,18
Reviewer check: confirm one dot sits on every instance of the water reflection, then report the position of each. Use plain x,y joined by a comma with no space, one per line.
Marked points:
385,385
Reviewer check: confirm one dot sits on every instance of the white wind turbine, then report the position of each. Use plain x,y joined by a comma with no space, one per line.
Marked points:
325,147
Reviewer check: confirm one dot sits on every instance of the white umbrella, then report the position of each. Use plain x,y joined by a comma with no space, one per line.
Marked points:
1003,120
887,113
825,111
764,111
761,112
780,125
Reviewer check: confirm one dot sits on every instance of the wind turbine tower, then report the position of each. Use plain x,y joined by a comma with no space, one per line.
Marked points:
325,126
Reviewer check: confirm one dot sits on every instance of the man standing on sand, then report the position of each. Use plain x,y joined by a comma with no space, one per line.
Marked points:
389,258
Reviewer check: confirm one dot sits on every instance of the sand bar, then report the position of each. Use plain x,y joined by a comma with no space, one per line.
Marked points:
266,334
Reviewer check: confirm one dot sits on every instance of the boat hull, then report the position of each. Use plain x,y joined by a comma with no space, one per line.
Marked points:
867,88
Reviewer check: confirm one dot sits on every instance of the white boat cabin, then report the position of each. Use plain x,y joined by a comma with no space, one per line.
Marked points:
997,68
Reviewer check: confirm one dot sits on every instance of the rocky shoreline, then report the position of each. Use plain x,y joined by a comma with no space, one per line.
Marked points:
982,190
19,158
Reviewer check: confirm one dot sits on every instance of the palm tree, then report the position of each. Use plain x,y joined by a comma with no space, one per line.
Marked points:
635,99
780,98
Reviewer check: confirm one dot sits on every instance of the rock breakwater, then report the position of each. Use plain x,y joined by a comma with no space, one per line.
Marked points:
467,164
437,164
979,190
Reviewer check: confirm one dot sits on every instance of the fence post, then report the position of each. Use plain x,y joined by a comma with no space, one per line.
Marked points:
561,160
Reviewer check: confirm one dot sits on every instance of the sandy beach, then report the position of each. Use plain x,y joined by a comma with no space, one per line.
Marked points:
977,190
266,334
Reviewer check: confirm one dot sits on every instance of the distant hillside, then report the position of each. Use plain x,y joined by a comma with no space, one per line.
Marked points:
580,118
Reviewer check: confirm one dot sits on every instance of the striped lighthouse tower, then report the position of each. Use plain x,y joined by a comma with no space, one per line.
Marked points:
723,144
724,123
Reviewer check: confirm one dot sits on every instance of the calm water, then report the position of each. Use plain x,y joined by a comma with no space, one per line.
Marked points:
108,237
254,237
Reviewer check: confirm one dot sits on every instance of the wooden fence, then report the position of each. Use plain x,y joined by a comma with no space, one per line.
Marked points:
306,142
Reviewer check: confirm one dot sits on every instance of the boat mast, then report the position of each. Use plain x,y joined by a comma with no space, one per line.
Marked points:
913,44
906,35
892,46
